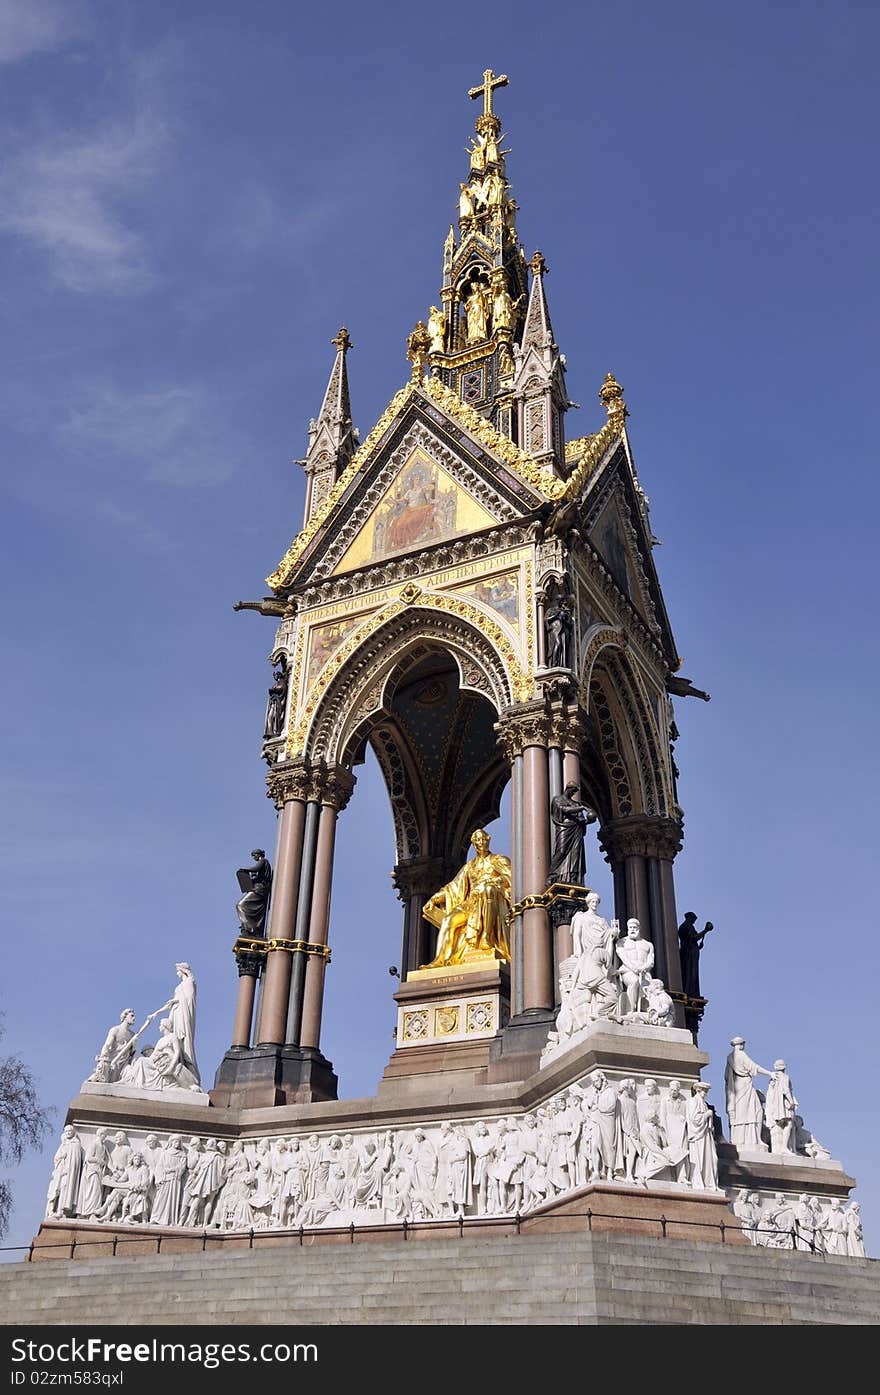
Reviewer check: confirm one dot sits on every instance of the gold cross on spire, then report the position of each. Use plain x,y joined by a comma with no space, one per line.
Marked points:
485,89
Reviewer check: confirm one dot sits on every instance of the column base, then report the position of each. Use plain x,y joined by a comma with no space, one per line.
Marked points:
259,1076
522,1038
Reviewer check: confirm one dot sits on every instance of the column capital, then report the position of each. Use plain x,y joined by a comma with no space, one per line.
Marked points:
641,835
311,782
525,724
418,876
249,961
288,780
568,726
333,785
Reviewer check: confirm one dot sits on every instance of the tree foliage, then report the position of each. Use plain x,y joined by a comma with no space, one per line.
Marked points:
24,1123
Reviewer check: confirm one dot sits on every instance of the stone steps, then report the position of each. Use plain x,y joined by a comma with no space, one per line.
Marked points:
568,1278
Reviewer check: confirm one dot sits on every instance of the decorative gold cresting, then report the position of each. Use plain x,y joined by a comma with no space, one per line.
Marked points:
611,395
342,340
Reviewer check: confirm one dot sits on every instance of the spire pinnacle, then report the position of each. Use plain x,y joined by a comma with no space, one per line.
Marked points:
538,329
336,407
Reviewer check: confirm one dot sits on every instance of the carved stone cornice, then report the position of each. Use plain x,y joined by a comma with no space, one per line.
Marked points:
641,835
395,570
524,724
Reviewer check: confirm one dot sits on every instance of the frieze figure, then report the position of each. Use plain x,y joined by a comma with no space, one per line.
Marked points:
66,1170
700,1134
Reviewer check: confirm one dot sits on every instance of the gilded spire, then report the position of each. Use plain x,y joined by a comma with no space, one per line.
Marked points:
538,329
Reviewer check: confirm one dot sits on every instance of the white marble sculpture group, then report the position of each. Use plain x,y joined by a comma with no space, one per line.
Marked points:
171,1063
625,1130
765,1123
783,1222
609,977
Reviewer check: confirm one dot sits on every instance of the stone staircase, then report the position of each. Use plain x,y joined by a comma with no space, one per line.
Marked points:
563,1278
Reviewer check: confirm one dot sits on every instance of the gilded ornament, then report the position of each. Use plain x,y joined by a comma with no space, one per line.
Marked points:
472,912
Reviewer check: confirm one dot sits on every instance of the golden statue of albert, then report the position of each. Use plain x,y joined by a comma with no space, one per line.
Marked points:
473,910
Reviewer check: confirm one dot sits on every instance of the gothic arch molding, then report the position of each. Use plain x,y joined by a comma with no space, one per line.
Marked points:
360,690
627,740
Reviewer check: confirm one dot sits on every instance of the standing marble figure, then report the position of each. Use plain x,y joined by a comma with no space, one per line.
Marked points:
182,1012
780,1110
744,1109
570,819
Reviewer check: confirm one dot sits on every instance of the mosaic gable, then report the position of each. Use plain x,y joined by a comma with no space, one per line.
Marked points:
423,505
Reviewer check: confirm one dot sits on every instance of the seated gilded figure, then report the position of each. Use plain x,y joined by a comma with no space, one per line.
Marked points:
472,911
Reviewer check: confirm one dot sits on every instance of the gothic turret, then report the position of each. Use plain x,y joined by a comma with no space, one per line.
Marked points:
332,438
474,329
489,339
539,380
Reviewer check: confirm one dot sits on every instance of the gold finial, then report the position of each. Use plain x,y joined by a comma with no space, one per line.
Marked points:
538,266
611,394
418,346
343,340
485,89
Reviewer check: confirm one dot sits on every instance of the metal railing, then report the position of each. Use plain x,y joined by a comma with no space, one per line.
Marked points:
405,1229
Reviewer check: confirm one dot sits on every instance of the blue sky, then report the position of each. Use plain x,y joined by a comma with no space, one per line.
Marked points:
192,200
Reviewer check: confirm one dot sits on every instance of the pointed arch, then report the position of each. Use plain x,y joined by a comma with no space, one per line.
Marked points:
627,740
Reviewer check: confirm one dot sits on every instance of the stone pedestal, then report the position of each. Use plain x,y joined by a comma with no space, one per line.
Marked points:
447,1018
260,1076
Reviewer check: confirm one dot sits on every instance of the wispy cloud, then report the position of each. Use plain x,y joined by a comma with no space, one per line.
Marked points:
36,26
74,192
175,434
68,198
